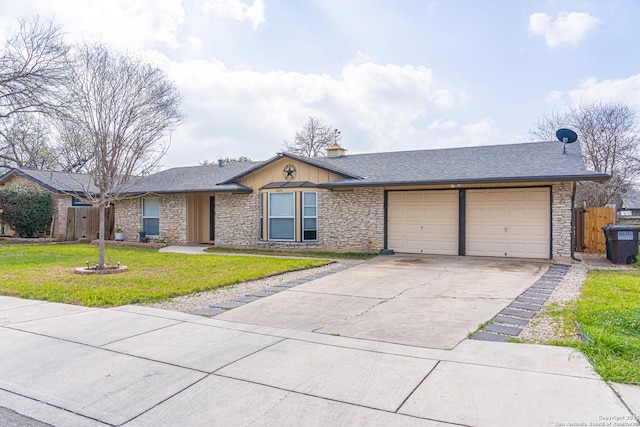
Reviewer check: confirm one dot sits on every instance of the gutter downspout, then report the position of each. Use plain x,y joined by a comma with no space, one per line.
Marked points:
573,223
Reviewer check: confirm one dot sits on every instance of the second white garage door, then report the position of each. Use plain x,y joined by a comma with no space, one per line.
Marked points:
423,222
508,222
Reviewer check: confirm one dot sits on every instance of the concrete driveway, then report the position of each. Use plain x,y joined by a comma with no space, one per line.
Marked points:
423,301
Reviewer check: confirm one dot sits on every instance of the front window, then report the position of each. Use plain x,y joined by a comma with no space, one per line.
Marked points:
309,216
151,216
282,216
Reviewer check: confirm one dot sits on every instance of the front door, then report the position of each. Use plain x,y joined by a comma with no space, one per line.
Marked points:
212,218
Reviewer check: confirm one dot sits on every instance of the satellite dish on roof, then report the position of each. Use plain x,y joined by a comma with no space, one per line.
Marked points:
566,136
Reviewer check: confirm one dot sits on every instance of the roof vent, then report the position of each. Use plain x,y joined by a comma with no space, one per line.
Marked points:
335,151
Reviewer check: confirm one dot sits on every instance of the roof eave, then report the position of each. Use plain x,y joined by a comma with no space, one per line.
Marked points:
290,156
31,178
550,178
242,190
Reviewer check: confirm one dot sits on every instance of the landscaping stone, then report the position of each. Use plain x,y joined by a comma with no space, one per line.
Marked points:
529,307
530,300
518,313
276,289
485,336
510,320
289,285
261,294
227,304
245,299
209,311
539,291
501,329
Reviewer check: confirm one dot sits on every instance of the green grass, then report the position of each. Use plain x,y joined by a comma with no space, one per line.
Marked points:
327,255
45,272
608,312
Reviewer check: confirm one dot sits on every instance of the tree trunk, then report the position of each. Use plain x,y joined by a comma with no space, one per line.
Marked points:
101,237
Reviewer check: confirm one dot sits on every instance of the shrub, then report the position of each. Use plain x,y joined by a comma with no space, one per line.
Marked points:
26,210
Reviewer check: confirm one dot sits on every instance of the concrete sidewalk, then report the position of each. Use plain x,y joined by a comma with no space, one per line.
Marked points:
135,366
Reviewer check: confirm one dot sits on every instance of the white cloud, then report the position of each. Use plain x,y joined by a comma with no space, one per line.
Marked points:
480,133
236,9
625,90
131,24
377,107
566,28
442,124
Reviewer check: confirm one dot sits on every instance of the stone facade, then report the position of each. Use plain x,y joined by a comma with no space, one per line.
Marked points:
128,216
173,217
348,221
561,212
237,220
352,221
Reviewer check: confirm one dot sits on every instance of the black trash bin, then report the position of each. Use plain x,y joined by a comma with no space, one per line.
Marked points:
622,243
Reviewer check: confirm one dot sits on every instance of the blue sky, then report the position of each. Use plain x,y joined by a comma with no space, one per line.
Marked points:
391,75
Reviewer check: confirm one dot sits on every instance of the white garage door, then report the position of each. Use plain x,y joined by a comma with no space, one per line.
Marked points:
423,222
508,223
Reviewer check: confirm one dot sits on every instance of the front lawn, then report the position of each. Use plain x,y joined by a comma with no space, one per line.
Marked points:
45,272
608,312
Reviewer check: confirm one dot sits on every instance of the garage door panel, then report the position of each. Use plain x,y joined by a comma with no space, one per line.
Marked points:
423,221
508,222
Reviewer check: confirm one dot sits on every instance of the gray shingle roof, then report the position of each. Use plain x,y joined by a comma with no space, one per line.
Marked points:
193,179
58,182
539,161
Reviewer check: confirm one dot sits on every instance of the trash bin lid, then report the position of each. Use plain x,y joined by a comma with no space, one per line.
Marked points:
621,228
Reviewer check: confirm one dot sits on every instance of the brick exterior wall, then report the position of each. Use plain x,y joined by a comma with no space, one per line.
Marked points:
348,221
237,220
173,217
128,216
561,211
352,221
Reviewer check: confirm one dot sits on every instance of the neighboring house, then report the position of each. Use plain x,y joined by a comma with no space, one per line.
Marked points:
503,200
630,203
61,185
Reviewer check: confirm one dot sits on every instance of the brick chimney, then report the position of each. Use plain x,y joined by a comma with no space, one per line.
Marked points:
335,151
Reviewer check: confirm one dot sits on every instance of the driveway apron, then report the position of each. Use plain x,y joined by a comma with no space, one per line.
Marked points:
415,300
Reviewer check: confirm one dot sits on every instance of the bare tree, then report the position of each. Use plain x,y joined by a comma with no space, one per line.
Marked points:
27,143
124,109
239,159
312,139
33,67
609,135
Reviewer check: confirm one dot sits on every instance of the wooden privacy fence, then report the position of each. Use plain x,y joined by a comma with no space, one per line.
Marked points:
588,228
84,222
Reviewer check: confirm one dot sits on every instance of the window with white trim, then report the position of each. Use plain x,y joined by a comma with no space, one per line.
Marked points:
309,216
282,216
151,215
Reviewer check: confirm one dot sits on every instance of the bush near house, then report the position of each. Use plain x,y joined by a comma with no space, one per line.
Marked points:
25,209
